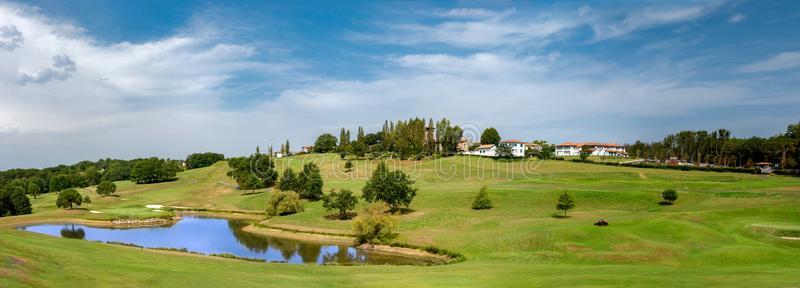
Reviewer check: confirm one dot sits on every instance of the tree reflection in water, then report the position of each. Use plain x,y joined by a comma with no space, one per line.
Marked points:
69,231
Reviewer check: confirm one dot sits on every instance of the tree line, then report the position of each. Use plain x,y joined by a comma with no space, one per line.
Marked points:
406,138
720,148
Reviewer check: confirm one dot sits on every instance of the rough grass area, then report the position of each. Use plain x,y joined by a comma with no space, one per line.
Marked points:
723,231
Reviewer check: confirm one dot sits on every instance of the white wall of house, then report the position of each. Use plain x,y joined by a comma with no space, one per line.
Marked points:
517,148
598,150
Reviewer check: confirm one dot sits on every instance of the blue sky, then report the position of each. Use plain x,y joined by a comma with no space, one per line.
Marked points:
94,79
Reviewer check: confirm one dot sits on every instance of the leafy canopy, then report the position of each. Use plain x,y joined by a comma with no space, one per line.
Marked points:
393,187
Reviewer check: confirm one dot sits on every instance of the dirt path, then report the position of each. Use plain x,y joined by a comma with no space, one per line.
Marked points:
641,175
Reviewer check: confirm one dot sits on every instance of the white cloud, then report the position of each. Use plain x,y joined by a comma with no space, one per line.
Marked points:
475,28
476,13
162,97
782,61
63,68
583,10
736,18
10,37
648,17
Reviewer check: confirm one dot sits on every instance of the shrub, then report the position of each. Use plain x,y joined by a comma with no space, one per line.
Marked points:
106,188
374,224
482,201
69,197
670,195
87,200
342,201
348,166
283,203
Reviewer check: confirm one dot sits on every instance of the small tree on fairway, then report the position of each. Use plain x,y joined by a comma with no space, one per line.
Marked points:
586,151
482,201
670,195
67,198
106,188
565,203
393,187
289,181
342,201
283,203
250,182
310,182
348,166
34,189
87,200
374,223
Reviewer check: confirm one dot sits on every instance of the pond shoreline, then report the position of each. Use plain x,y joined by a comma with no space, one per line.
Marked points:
254,228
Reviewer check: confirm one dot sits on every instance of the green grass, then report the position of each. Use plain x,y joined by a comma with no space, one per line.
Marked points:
723,230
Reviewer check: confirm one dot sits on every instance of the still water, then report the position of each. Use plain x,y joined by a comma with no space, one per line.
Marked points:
218,236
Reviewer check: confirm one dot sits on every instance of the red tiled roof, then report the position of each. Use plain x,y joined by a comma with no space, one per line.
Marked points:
486,146
511,141
579,144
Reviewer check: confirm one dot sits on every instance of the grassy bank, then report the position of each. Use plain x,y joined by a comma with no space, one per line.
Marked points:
724,230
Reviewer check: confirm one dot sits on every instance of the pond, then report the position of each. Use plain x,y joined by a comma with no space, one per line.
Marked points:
219,236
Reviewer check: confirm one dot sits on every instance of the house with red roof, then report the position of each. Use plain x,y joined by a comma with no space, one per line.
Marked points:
598,149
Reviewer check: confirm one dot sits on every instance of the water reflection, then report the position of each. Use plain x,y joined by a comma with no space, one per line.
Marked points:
72,232
217,236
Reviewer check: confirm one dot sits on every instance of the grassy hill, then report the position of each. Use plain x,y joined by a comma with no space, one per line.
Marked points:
723,230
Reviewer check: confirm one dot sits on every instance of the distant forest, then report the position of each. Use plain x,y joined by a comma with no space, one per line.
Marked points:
718,147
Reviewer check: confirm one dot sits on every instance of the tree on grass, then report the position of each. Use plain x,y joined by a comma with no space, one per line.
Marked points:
669,196
490,136
565,202
19,202
393,187
34,189
153,170
482,201
348,166
283,203
200,160
325,143
106,188
87,200
585,152
310,182
342,201
289,181
374,224
69,197
59,182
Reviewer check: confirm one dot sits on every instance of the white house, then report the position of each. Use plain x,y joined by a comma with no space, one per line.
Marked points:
485,150
598,149
517,147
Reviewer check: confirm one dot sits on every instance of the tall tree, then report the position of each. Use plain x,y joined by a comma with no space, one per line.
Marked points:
325,143
490,136
393,187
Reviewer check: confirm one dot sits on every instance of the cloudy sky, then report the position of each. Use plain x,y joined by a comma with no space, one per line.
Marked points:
123,79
